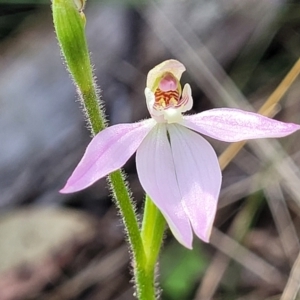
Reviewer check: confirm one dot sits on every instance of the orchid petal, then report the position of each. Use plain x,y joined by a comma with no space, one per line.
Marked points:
199,177
172,66
156,172
187,98
108,151
157,115
233,125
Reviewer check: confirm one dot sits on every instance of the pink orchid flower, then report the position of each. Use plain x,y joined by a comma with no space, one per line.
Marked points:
176,166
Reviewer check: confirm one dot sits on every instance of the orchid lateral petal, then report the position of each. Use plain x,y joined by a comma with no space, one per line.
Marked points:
169,66
199,177
187,98
156,172
108,151
157,115
233,125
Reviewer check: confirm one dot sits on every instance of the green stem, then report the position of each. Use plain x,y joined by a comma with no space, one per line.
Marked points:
69,25
152,235
127,209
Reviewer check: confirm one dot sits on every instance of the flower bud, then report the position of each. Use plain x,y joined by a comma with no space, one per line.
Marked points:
69,23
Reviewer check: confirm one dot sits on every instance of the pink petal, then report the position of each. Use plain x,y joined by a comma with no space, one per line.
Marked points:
199,177
233,125
108,151
172,66
156,172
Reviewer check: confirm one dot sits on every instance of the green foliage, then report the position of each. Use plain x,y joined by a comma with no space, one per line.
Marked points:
180,270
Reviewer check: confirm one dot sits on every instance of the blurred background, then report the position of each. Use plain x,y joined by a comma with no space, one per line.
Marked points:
55,246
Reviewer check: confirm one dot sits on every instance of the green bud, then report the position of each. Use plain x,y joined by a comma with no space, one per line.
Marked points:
69,28
69,22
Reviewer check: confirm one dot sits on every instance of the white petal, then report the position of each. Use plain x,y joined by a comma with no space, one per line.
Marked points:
172,66
187,98
157,115
233,125
199,177
157,176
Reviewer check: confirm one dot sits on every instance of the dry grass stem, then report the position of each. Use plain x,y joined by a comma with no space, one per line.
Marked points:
247,259
293,285
283,221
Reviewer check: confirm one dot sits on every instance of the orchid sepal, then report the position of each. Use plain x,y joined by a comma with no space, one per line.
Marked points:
234,125
108,151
